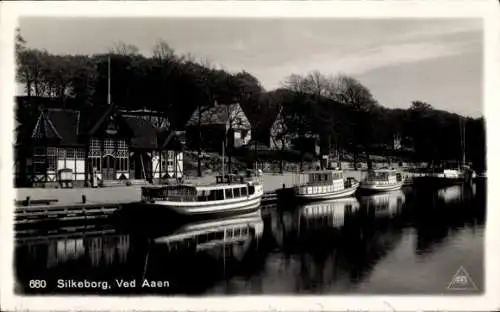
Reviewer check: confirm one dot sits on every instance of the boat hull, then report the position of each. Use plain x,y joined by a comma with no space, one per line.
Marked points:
436,182
328,195
377,188
208,210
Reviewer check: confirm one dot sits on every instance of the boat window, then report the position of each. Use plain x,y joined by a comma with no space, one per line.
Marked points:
237,232
211,195
229,193
229,232
251,190
219,195
243,191
202,196
236,192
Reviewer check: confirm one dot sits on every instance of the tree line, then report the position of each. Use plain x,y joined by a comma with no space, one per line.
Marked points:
339,109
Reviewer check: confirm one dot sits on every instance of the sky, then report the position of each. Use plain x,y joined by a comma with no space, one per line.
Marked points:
439,61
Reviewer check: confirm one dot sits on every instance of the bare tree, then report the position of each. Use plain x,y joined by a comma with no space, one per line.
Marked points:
163,52
122,48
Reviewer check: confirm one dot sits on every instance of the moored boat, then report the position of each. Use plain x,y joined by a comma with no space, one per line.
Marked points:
230,195
381,180
437,178
323,185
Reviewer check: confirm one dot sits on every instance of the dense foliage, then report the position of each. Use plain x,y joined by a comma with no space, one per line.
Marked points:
339,109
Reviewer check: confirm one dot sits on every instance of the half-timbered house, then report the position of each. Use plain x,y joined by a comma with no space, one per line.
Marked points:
219,123
100,145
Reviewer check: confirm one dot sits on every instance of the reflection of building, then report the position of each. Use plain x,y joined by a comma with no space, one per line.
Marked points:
99,141
104,248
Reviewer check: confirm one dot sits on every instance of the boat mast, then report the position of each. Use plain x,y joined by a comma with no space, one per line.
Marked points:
222,159
109,79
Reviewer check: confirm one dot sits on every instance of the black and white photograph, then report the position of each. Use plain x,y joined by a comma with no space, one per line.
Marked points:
222,156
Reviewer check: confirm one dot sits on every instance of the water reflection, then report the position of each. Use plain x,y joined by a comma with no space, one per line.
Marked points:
336,246
384,204
216,237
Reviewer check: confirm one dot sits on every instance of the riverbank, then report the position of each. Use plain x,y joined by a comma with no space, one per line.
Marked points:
126,194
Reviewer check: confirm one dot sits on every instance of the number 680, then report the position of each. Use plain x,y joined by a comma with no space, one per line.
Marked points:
37,284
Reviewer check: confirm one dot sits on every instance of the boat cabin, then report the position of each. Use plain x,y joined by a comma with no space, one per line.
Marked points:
190,193
320,177
384,176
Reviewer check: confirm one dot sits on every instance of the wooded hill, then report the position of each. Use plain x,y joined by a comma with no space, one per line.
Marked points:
338,108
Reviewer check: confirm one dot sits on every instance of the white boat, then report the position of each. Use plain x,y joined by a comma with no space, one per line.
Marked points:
230,195
323,185
382,180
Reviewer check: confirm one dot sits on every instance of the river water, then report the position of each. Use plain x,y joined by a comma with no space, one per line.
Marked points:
405,242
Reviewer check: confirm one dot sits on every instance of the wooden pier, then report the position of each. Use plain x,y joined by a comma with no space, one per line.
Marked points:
36,215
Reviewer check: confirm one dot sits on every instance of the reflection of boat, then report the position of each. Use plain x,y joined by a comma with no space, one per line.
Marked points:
207,235
324,184
230,195
386,203
382,180
332,210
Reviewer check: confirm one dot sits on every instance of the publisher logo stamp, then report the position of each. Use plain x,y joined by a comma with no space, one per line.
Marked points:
462,281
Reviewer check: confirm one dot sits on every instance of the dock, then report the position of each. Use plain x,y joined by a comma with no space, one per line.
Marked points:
26,216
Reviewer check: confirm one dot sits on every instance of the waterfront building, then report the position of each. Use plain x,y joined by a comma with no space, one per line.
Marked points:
95,145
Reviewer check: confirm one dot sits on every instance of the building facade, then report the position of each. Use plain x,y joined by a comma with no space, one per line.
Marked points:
95,146
219,123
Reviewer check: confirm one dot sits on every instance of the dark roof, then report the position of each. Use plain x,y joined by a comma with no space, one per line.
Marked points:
58,124
65,123
145,135
68,127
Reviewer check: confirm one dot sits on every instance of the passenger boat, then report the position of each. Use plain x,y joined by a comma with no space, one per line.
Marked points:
323,185
229,195
439,177
381,180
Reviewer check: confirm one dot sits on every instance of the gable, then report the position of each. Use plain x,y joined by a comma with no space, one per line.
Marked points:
221,115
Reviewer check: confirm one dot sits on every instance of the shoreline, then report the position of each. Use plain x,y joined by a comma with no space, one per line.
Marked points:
132,193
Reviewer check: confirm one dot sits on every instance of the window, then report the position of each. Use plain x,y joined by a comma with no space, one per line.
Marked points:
122,145
236,192
243,191
51,163
109,147
229,193
211,195
95,147
219,194
51,151
202,196
61,152
70,153
251,190
39,151
80,153
122,164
